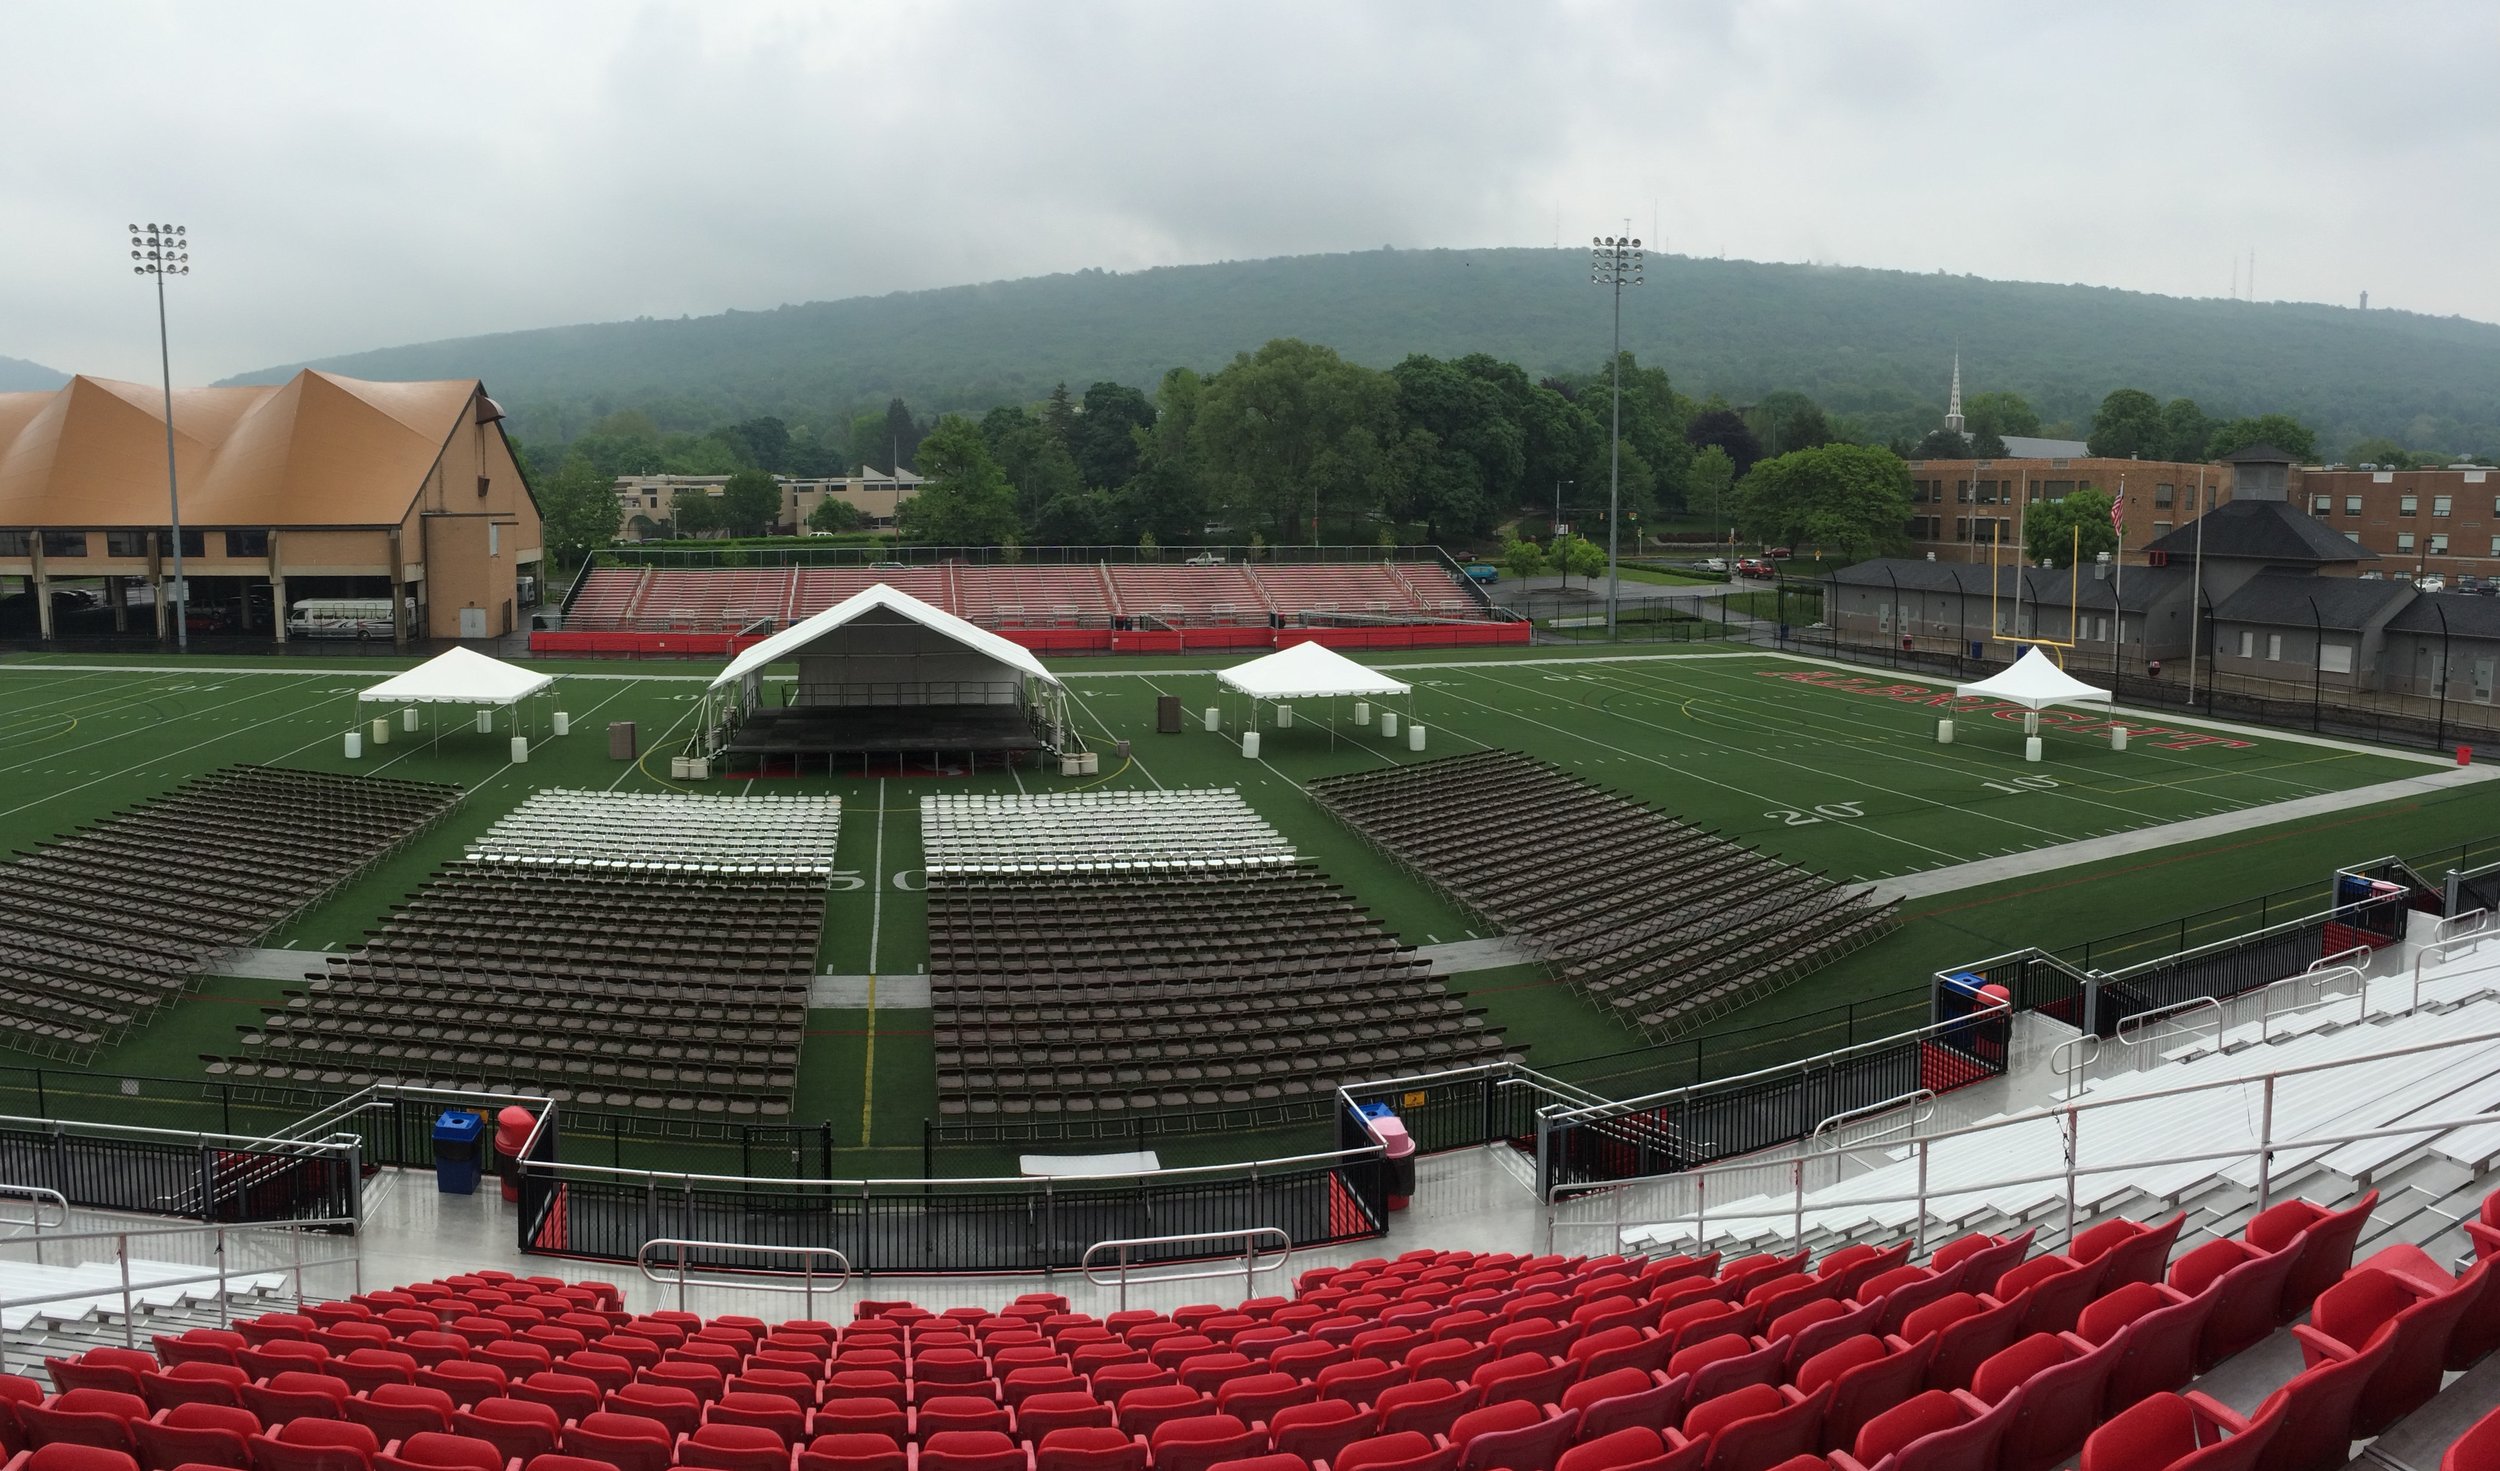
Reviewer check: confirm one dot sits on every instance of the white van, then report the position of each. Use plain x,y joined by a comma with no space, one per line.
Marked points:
343,618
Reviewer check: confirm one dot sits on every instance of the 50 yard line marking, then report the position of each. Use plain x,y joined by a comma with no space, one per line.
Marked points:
876,923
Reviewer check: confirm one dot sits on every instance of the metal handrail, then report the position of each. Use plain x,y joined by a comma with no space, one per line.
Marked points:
2423,955
1647,1102
806,1272
2314,977
1916,1118
2075,1044
1039,1184
1251,1263
38,1196
2164,1013
2070,1116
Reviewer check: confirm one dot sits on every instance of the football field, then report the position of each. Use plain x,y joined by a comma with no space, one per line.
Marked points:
1835,769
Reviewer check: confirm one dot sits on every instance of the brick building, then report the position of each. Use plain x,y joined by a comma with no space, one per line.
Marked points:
1958,506
2443,521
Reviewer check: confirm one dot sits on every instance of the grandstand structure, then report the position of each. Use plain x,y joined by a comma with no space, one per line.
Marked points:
1666,924
638,952
1069,606
101,927
1113,961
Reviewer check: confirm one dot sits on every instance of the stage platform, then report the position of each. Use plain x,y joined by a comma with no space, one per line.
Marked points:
797,737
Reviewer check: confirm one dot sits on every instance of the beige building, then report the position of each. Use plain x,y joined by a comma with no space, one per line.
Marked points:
875,494
321,486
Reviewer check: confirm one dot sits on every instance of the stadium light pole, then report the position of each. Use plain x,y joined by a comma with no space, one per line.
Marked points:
161,251
1615,262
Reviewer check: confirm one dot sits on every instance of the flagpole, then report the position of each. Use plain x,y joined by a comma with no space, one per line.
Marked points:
2196,584
2118,590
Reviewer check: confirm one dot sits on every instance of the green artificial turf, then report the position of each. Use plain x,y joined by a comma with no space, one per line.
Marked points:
1848,784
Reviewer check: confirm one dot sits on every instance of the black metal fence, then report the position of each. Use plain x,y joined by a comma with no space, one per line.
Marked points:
1715,1121
204,1177
946,1225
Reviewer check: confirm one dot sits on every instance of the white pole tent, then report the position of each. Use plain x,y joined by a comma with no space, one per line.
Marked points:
1307,671
882,649
2034,682
457,677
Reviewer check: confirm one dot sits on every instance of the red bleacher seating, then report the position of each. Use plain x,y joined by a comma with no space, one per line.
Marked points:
605,599
1044,596
1431,1362
1190,597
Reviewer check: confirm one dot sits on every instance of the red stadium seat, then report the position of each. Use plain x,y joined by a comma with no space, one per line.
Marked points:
2370,1304
1522,1376
1203,1441
2056,1383
970,1450
2165,1433
208,1435
116,1369
734,1448
2324,1239
397,1411
1983,1258
672,1405
1625,1397
73,1456
1428,1405
1635,1448
866,1417
772,1413
1257,1397
316,1445
2052,1290
518,1428
1866,1376
1757,1427
1405,1450
2478,1449
1610,1349
199,1346
1936,1430
962,1412
194,1381
627,1442
465,1382
1070,1410
1321,1429
2477,1331
2317,1409
1089,1448
96,1417
848,1452
446,1452
1732,1361
1514,1434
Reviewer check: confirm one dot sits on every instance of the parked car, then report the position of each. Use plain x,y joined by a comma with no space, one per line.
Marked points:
1781,554
1752,567
1483,572
1205,559
2431,582
1714,564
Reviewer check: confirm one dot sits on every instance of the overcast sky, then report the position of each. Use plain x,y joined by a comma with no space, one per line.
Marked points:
364,175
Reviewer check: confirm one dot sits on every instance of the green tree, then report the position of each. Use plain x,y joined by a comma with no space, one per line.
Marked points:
576,509
1031,457
1852,497
2127,426
1708,483
1577,556
2280,430
967,500
763,443
750,503
1944,444
2050,528
1985,445
1719,425
1786,419
1059,417
2185,431
1293,437
1462,453
693,511
1523,559
1167,498
833,514
2000,411
2380,451
1107,446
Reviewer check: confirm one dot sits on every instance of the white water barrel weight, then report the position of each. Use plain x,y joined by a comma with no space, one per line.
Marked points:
1250,744
1284,717
1414,738
1362,712
408,719
2031,748
1388,722
486,722
2118,738
1215,720
1944,732
563,722
355,745
381,730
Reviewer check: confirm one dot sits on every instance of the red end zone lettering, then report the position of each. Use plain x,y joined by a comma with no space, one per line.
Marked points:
2073,722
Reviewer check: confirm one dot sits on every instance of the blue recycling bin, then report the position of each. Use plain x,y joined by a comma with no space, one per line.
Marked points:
456,1136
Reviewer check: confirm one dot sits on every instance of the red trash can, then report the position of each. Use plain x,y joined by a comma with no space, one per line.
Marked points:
512,1131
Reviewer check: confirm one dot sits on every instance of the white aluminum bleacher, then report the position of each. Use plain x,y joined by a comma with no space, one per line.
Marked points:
2184,1130
91,1290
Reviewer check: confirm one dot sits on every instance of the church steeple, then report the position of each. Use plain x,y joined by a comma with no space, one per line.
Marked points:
1953,405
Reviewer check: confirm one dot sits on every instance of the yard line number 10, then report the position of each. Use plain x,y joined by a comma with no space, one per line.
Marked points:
2022,784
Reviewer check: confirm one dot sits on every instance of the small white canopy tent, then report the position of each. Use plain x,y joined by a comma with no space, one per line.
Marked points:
1307,671
458,676
2035,683
883,648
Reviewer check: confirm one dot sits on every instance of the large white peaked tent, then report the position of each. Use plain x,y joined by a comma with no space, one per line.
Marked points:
882,648
2035,683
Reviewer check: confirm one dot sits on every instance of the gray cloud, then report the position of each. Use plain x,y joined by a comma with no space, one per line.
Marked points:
365,175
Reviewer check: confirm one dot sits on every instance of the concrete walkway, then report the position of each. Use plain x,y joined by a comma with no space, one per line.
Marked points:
2196,829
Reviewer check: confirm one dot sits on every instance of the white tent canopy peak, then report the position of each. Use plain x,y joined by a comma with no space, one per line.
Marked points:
459,677
2035,683
1307,671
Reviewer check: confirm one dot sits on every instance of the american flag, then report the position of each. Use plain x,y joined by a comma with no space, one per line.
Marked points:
2118,512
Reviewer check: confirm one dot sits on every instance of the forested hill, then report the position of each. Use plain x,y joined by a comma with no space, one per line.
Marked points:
20,376
1874,344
